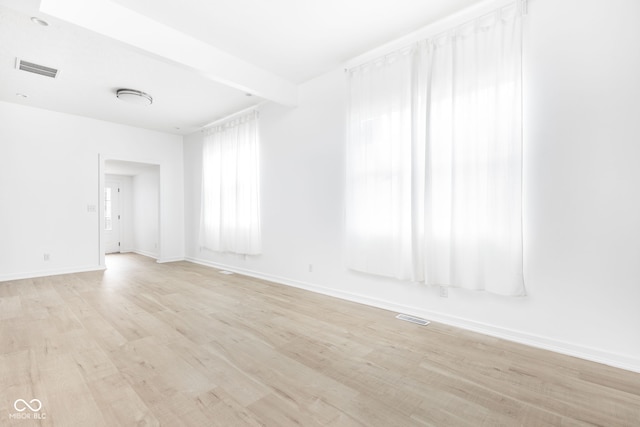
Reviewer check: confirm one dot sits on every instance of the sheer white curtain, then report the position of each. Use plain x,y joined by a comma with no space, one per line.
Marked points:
380,205
434,160
473,230
230,216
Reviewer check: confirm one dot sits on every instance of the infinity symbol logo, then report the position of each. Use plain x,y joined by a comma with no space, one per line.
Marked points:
37,405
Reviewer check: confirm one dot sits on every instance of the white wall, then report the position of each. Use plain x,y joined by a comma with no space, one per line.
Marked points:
582,198
49,175
146,191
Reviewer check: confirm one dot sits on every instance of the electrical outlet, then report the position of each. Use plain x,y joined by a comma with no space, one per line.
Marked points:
47,257
444,292
310,268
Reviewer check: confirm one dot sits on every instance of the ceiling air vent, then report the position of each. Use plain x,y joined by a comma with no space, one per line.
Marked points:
36,68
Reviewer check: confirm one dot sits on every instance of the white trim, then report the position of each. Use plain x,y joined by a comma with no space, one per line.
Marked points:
44,273
145,253
169,259
103,158
587,353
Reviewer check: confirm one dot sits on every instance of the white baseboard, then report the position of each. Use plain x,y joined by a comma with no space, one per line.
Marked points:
145,253
44,273
155,256
582,352
169,259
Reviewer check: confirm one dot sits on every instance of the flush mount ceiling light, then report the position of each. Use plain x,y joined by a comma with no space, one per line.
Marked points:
134,96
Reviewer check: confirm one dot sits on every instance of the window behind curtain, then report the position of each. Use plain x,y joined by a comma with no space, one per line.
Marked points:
449,213
230,215
380,161
473,237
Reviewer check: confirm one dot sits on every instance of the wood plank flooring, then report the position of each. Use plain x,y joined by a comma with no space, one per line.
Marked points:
146,344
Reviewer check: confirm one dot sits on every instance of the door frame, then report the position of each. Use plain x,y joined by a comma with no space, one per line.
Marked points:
102,159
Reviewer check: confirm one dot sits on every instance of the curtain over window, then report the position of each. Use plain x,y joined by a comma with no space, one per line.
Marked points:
230,217
435,159
380,217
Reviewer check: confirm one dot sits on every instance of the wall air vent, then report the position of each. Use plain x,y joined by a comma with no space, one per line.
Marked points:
36,68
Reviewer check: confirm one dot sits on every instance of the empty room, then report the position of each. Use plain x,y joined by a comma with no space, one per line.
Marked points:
337,213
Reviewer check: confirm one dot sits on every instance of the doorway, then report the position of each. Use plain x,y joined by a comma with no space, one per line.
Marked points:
131,208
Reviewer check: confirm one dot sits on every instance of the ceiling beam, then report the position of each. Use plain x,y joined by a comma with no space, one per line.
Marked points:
125,25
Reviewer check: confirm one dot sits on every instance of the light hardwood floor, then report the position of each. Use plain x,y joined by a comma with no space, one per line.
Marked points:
182,345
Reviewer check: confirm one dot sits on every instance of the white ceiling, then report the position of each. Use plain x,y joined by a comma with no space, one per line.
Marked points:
262,47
